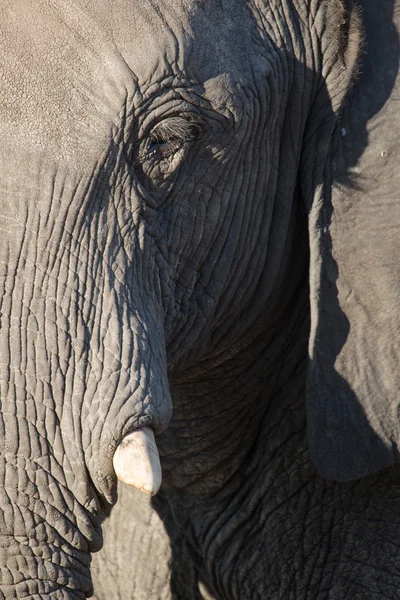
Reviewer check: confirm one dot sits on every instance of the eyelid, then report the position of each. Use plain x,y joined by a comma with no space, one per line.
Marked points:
147,155
181,129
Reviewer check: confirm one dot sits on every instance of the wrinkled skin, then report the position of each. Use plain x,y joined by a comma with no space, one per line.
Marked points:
199,216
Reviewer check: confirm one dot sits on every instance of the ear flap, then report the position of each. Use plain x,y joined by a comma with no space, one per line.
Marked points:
351,174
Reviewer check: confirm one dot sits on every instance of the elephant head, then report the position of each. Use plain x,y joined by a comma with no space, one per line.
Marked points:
157,160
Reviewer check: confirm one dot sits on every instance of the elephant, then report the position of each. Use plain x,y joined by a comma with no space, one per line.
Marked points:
199,293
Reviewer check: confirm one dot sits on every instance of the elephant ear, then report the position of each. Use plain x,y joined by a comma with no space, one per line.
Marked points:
351,179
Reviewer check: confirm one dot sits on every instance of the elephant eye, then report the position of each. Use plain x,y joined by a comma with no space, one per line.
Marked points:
161,149
168,138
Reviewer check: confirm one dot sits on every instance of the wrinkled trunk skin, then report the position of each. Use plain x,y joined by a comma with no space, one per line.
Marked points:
42,550
46,535
77,372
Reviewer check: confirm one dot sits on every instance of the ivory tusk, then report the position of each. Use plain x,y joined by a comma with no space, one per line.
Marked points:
137,462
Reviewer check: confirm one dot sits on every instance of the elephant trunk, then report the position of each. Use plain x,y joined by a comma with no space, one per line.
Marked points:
82,366
49,511
45,534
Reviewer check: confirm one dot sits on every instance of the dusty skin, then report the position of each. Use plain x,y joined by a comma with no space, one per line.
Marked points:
199,297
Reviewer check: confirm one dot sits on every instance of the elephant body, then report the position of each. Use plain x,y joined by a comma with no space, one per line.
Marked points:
198,240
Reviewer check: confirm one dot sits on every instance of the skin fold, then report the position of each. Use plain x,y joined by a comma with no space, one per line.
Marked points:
198,237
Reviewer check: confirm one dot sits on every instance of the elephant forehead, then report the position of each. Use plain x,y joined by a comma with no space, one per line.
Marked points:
61,80
199,38
67,68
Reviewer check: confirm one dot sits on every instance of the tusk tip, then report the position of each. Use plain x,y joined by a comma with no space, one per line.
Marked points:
137,462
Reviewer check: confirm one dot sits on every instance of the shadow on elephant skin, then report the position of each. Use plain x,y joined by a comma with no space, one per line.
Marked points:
341,436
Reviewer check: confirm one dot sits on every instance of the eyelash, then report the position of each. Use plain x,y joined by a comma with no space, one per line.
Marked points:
175,145
174,134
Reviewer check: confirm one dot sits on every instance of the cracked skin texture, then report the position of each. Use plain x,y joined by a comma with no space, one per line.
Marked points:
198,219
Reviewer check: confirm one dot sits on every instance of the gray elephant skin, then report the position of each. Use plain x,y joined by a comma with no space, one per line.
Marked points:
200,241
